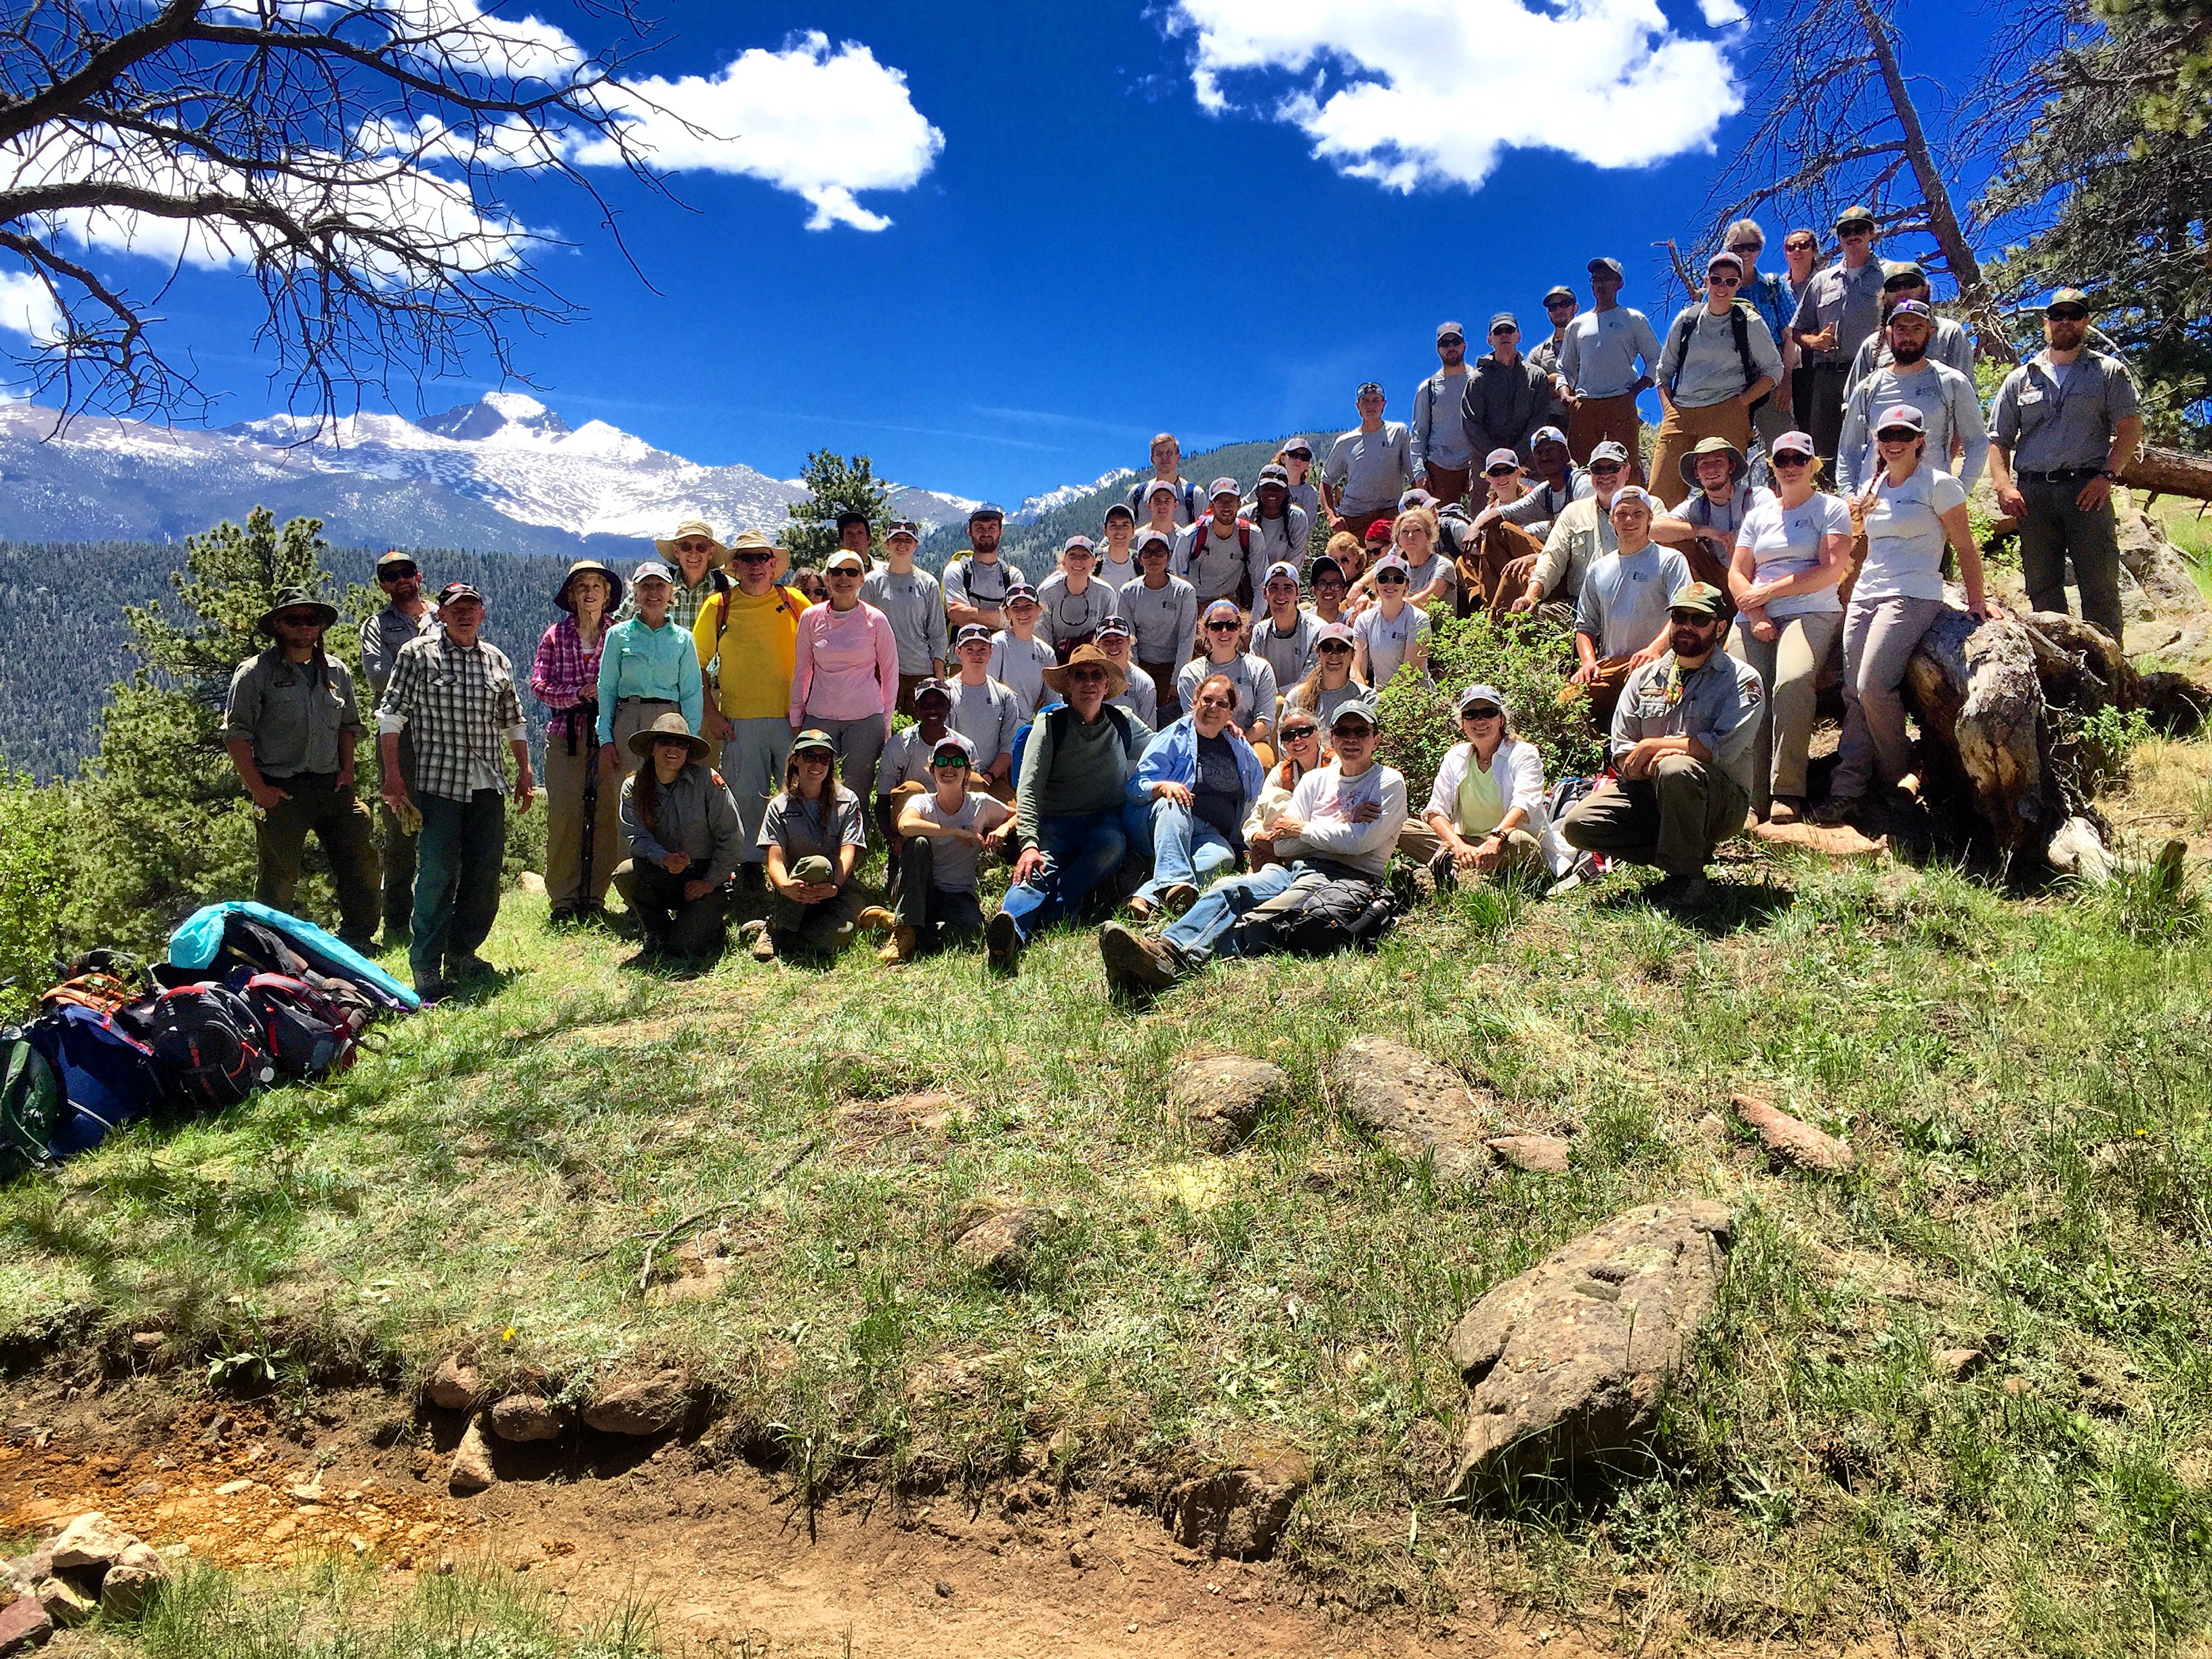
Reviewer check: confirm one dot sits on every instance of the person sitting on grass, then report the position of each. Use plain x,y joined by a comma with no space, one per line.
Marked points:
1682,737
1196,780
1394,633
685,843
1342,822
933,903
1488,808
814,834
1254,680
1300,733
1068,803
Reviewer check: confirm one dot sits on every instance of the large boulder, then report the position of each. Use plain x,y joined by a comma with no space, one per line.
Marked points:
648,1405
1240,1512
1568,1361
90,1543
1416,1106
1221,1098
131,1583
24,1625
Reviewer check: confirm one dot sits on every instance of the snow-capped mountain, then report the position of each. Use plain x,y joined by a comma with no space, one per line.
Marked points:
1037,506
503,473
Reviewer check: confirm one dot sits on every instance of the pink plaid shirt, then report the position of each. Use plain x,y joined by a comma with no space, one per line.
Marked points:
563,673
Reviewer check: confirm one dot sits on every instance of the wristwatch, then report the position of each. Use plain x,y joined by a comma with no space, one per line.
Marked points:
2108,474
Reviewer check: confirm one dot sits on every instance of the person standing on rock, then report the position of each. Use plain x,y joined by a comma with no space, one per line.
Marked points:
1598,360
406,617
1507,398
747,640
976,581
454,690
1443,457
2063,427
290,727
1370,466
684,835
583,836
913,603
1681,741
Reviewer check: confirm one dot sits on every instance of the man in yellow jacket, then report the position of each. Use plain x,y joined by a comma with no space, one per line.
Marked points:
750,630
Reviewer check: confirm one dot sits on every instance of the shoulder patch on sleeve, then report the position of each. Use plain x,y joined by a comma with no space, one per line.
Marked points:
717,777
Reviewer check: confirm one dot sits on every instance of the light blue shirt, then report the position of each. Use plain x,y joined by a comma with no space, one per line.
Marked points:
1625,599
661,664
1599,355
1946,401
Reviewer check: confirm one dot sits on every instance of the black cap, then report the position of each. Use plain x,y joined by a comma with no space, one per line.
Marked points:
850,515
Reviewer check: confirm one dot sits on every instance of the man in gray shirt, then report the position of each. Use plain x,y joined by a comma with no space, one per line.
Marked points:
290,727
2064,425
984,711
406,617
1620,615
1162,610
1369,469
1904,280
1681,738
913,603
1559,308
976,581
1718,360
1508,397
1944,398
1598,361
1443,458
1838,307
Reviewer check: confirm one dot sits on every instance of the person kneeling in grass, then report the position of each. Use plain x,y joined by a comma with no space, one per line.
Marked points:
684,845
1342,822
1195,781
814,836
1488,808
934,902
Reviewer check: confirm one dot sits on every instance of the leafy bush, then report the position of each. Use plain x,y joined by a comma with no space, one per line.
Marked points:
1525,660
34,880
2101,742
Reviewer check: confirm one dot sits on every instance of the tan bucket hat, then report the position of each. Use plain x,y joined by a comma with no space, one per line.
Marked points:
1117,682
669,727
754,541
689,529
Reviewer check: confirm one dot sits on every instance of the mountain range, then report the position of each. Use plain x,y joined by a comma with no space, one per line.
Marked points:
504,474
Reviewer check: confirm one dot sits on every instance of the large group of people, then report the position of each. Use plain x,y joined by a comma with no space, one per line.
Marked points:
1180,722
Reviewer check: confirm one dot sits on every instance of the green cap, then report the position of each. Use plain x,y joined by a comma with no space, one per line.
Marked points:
297,598
2068,297
814,870
1701,597
1858,213
813,738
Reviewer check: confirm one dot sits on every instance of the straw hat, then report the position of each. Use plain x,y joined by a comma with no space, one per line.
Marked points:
690,530
668,728
754,541
1116,680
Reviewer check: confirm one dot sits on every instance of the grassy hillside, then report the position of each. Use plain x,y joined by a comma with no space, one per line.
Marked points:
2028,1086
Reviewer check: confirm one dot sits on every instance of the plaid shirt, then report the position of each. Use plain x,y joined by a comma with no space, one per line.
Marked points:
460,705
564,673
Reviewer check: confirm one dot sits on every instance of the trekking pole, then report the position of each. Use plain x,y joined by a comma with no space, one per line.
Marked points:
591,792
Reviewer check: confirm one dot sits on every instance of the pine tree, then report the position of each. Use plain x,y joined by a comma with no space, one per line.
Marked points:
835,485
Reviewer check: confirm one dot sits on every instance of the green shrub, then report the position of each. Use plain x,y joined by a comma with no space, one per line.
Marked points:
2101,742
33,878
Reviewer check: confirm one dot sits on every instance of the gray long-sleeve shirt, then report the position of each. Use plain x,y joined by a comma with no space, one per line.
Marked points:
1599,356
913,603
1504,404
1438,433
1369,471
1067,614
1951,344
1946,401
1718,704
695,816
1163,619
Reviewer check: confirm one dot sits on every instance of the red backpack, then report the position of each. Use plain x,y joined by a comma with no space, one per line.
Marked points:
207,1046
310,1026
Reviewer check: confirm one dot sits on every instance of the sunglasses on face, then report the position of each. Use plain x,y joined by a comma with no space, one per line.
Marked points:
1788,457
1086,677
1900,285
1479,714
1896,434
1798,244
405,574
1215,702
844,574
1745,250
1557,305
1723,281
1300,733
1354,733
815,757
754,558
695,547
1223,626
296,620
1502,471
950,763
1596,467
1337,648
2068,316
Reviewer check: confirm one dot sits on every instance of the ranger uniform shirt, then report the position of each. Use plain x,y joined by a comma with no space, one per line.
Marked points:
292,713
2061,418
693,814
381,637
1717,702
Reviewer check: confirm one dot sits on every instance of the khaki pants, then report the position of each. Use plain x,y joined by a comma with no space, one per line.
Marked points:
1449,484
1678,435
1522,853
341,823
1790,664
1594,420
566,777
1602,693
1879,638
1672,819
1497,572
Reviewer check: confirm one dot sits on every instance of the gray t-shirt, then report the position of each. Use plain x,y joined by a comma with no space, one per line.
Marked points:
1018,665
1711,369
987,716
1599,356
1254,680
1625,599
968,580
1291,654
1906,538
803,827
952,863
1070,616
1141,698
1212,563
1439,434
906,759
914,604
1369,471
1388,640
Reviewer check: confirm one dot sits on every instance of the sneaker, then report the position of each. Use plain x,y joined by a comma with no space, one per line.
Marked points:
1139,907
1003,941
1179,898
1132,959
764,945
899,948
876,919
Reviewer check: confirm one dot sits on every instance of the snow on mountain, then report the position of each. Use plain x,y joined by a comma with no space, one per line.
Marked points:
505,471
1037,506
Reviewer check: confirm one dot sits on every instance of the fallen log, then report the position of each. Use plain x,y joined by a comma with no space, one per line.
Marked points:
1984,741
2169,472
2083,668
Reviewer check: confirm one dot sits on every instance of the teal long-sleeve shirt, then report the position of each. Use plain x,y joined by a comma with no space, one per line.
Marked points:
660,663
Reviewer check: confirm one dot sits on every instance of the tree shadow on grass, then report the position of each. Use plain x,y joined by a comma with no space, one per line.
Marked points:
1730,905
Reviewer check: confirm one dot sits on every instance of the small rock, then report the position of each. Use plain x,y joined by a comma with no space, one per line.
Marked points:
472,1471
132,1582
1416,1106
283,1530
1793,1141
1538,1154
530,882
997,1242
444,1566
1957,1364
232,1488
454,1384
24,1625
2014,1386
65,1604
652,1406
1243,1512
525,1417
148,1489
1221,1098
22,1429
308,1491
943,1589
90,1540
147,1343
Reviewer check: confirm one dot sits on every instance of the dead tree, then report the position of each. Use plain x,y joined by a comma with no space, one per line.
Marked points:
348,155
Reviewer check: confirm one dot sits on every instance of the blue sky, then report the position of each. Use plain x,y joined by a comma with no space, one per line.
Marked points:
1091,255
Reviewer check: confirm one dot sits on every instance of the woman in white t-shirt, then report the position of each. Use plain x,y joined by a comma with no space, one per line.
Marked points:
1911,511
1393,632
1019,657
1791,549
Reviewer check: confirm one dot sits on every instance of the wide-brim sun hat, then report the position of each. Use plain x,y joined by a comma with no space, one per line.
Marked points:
1688,466
1117,682
757,541
615,587
669,728
297,598
690,530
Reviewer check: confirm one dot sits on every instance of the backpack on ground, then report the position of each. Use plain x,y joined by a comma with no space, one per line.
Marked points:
31,1104
207,1048
309,1026
103,1066
219,938
1319,914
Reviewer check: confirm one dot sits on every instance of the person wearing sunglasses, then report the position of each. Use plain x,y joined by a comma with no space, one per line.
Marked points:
1507,398
1950,343
844,671
2063,427
1194,786
1911,511
291,727
1559,307
1250,674
1068,829
1769,293
747,638
1494,553
1139,696
913,602
945,828
1946,399
1330,587
1443,458
1488,809
1302,749
1718,364
1838,307
1391,633
1792,549
406,617
1331,684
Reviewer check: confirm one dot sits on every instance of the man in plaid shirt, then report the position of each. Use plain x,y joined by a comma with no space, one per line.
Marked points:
452,692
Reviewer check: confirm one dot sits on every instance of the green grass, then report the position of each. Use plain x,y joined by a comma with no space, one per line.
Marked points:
491,1180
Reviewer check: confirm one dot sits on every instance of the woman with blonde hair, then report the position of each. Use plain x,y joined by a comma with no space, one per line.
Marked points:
1331,684
1300,736
1415,539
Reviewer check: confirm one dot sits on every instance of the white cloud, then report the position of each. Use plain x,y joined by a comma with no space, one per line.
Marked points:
822,124
28,309
1414,92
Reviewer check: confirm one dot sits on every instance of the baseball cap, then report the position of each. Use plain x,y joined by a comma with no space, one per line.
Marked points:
1725,258
1608,264
650,570
1223,486
1121,507
1323,566
1559,291
813,738
396,556
1900,273
1370,389
1391,561
1153,538
1333,633
1912,309
1020,588
2068,297
1609,451
1114,625
1475,694
1703,597
1449,332
1379,531
952,742
1498,458
453,591
842,558
906,527
1503,320
851,515
972,634
1633,492
1858,214
942,688
1158,485
1549,434
986,510
1083,542
1901,415
1280,567
1794,443
1413,498
1272,474
1358,708
1299,446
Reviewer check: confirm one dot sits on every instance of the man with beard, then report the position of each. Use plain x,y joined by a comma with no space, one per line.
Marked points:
1837,310
976,581
2064,424
1444,455
1681,740
406,617
1944,398
1905,280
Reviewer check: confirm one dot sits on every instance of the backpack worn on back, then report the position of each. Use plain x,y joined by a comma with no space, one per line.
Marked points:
207,1046
1740,316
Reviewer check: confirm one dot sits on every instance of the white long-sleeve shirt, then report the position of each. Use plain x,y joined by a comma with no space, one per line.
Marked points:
1519,772
1325,799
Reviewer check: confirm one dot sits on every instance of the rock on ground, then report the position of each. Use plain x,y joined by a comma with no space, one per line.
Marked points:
1793,1141
472,1471
89,1541
999,1243
1240,1512
65,1604
453,1385
650,1406
1538,1154
1221,1098
1415,1105
131,1584
24,1625
1956,1365
525,1417
1568,1361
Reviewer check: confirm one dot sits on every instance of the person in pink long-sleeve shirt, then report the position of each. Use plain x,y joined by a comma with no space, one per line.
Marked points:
844,676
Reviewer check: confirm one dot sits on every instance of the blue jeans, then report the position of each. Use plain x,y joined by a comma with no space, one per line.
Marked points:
1205,927
1080,850
1185,848
457,869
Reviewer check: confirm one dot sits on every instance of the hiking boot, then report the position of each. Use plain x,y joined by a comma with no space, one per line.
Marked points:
1137,906
430,992
876,919
1684,892
1002,941
459,970
1178,898
764,945
1134,960
1785,810
560,916
748,932
899,948
1837,808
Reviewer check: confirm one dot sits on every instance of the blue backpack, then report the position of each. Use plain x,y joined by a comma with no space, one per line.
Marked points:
105,1071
